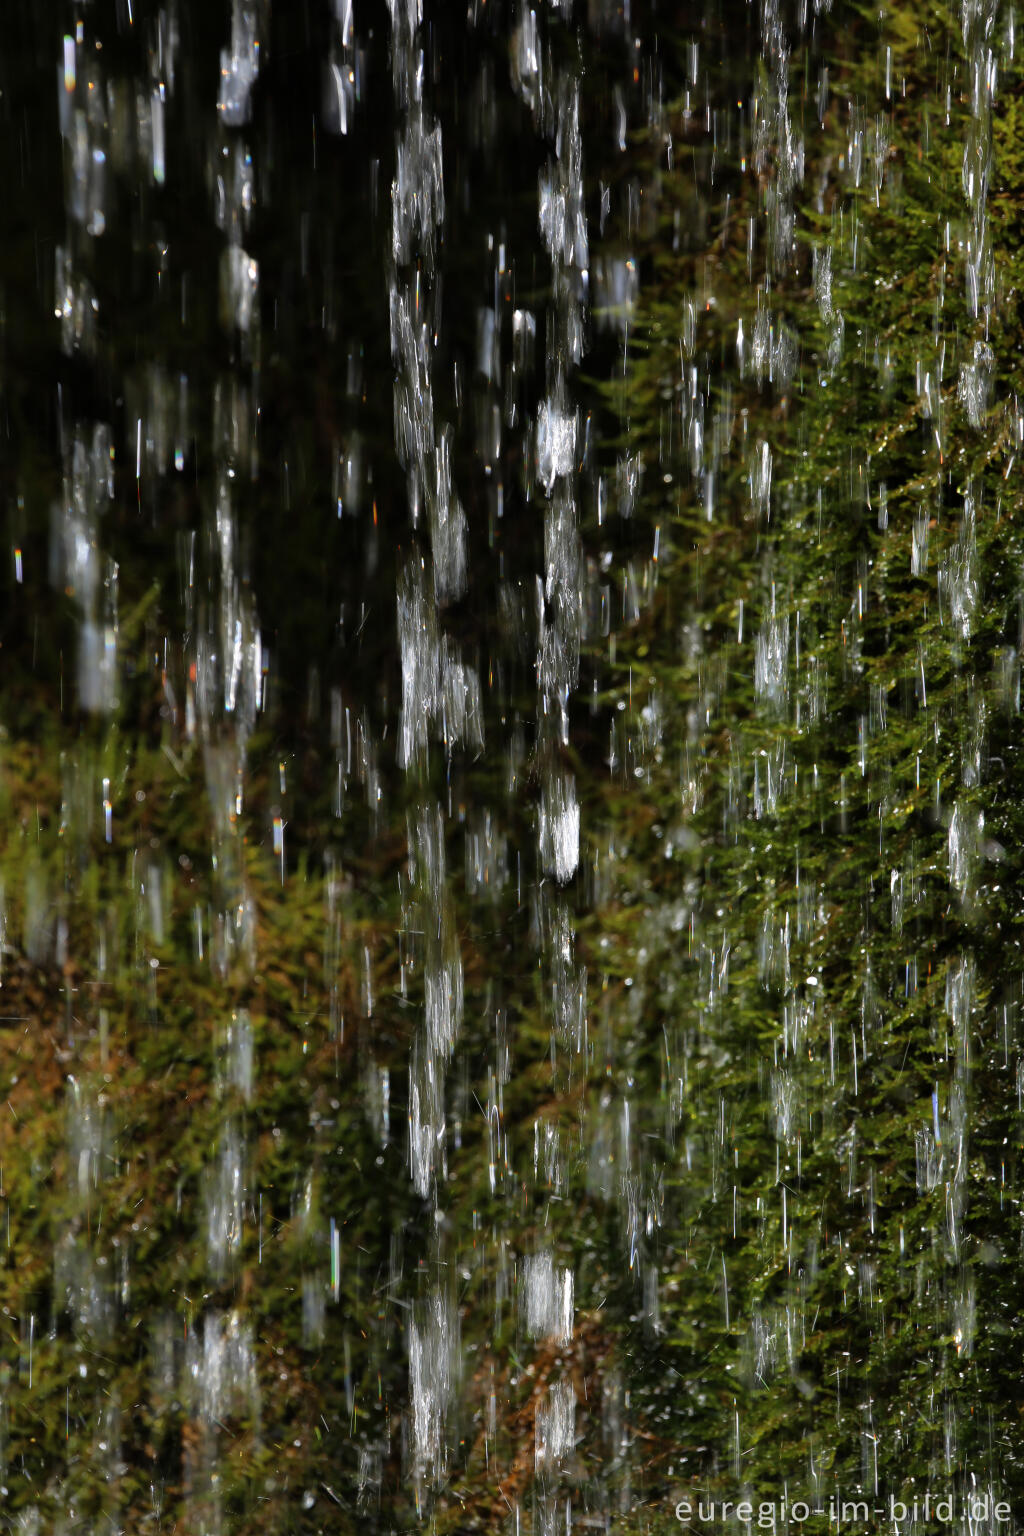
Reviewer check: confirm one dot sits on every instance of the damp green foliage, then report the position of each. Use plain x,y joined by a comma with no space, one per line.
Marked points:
777,1143
812,942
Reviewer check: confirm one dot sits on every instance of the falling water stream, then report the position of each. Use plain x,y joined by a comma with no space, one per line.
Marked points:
511,766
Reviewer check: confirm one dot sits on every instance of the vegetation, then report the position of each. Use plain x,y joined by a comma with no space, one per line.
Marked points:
753,1076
